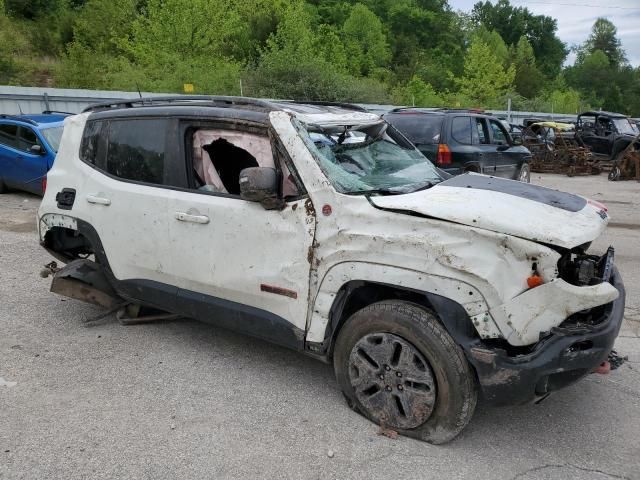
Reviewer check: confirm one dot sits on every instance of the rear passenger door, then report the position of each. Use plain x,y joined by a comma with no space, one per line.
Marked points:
125,198
464,152
506,162
485,152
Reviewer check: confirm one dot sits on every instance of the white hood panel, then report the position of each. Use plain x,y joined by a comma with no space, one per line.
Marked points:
512,211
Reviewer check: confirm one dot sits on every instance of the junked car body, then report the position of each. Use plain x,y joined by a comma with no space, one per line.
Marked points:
344,243
607,134
28,146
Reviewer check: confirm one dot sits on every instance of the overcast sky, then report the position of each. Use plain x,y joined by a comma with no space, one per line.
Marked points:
576,17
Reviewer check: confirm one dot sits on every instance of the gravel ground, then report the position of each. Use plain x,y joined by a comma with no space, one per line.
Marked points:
185,400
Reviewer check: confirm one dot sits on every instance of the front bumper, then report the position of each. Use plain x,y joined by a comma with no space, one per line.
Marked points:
566,355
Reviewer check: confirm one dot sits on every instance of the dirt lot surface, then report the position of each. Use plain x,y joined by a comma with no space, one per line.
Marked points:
185,400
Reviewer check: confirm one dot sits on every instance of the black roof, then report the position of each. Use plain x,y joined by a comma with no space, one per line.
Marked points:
185,100
440,111
242,103
605,114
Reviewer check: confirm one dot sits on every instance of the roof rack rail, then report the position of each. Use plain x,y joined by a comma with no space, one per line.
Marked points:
440,109
18,118
49,112
349,106
218,101
418,109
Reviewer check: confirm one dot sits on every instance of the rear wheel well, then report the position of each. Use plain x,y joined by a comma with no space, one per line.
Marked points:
67,244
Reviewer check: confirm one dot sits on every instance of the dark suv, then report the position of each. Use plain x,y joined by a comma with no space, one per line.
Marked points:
463,141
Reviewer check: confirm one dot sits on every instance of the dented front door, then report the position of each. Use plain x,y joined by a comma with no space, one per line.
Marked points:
239,255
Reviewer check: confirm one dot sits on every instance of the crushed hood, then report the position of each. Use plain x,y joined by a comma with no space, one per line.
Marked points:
507,206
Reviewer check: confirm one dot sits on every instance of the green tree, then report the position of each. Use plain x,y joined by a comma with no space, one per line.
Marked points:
514,22
97,34
174,44
260,19
289,65
365,41
604,37
485,80
564,101
31,9
529,81
297,63
494,41
601,84
417,93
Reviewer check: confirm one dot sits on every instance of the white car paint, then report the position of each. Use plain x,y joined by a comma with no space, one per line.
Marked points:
495,211
467,245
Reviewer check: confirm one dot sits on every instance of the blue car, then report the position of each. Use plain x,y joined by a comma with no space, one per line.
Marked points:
28,146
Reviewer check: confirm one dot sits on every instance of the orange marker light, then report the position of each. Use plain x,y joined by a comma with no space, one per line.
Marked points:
534,281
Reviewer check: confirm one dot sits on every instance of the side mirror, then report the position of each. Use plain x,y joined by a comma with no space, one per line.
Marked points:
260,184
502,148
36,150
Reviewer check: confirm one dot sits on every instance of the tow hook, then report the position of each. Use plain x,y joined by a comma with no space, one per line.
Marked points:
613,362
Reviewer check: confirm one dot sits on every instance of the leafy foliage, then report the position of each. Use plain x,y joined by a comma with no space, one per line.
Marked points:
415,52
604,38
514,22
484,79
529,80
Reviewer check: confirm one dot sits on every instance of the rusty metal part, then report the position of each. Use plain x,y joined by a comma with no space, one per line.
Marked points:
84,280
564,156
91,321
626,166
124,318
50,268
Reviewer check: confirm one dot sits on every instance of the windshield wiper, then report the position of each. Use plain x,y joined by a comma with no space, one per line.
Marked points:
400,190
424,186
379,191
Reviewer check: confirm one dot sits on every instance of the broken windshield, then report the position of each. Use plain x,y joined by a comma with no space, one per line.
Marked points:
625,126
372,158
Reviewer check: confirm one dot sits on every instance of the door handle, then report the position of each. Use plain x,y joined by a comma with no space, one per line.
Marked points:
98,200
187,217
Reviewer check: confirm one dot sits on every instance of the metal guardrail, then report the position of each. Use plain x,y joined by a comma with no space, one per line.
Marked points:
16,100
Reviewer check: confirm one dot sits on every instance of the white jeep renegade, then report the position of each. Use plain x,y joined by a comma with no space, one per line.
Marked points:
321,228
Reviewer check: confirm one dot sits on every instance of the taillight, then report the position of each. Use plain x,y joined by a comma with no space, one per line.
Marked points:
44,184
444,154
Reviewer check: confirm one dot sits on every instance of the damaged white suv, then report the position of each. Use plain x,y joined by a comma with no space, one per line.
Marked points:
321,228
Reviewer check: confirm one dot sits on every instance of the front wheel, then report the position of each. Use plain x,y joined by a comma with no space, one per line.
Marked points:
525,173
398,366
